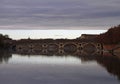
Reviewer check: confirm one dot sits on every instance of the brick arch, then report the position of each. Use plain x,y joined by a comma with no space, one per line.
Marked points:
89,48
52,47
74,43
70,47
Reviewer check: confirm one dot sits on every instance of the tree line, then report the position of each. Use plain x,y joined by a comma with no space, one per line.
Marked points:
4,39
112,36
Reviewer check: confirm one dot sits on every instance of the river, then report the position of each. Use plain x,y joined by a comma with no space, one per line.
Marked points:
43,69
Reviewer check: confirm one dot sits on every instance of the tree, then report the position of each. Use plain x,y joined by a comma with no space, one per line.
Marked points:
112,36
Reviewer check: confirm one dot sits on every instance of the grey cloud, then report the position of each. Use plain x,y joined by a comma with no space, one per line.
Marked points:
59,13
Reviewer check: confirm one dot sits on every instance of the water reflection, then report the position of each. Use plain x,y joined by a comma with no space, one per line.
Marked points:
107,61
41,59
111,64
5,56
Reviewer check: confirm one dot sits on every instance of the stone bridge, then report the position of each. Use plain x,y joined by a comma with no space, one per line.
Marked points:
59,47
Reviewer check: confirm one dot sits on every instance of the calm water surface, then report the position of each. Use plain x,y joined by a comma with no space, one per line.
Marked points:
41,69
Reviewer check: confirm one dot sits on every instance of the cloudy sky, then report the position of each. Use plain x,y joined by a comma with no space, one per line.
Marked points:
59,14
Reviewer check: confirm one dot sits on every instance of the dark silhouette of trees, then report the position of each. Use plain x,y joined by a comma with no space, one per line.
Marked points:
4,41
112,36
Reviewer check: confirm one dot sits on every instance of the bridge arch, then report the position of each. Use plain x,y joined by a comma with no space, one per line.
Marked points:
92,48
70,47
52,47
89,48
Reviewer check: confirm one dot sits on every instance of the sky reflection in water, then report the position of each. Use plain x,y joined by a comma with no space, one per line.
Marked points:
40,69
41,59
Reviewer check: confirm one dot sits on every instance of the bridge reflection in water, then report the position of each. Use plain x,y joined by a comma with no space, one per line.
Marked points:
72,48
87,53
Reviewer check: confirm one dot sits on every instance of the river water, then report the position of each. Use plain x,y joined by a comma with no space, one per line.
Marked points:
43,69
